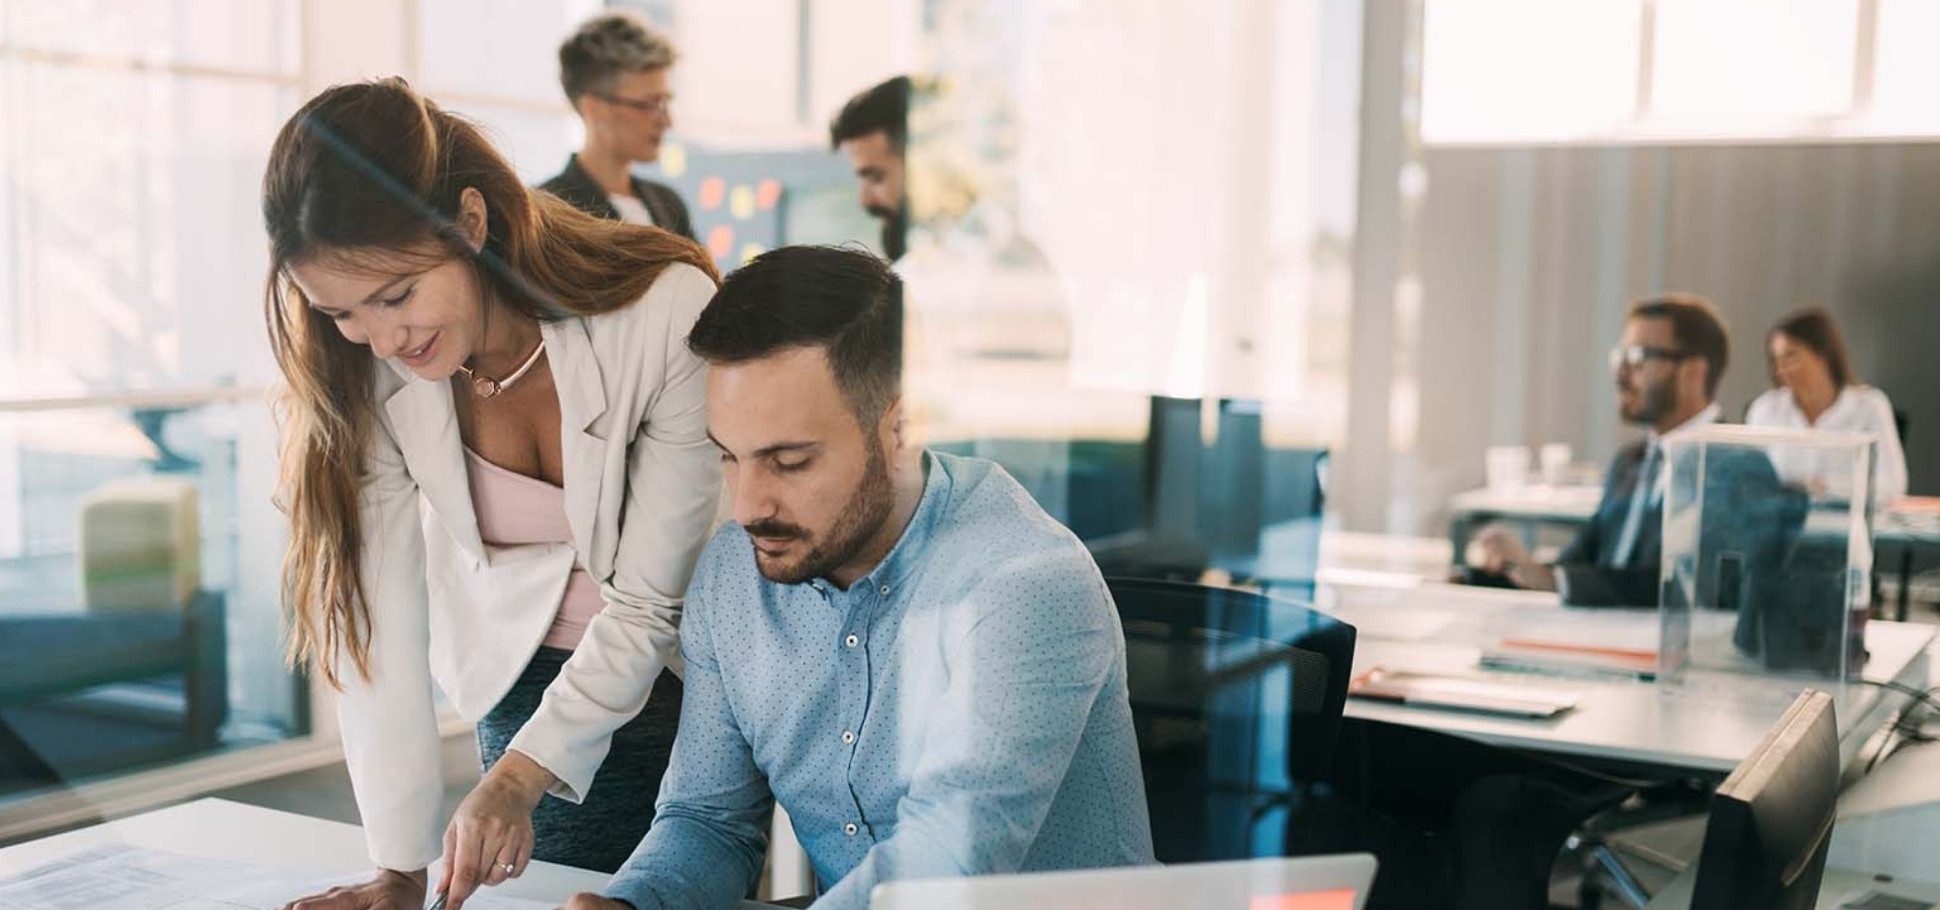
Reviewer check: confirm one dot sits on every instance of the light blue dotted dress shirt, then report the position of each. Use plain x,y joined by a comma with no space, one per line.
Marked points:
961,710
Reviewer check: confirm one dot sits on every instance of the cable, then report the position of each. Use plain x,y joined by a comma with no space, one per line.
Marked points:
1906,727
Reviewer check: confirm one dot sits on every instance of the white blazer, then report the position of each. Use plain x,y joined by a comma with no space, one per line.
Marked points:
642,482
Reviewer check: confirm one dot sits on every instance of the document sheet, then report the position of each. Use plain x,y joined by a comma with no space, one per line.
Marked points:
119,877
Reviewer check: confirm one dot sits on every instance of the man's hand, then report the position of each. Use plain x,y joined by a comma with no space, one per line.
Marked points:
1497,548
490,836
587,900
388,890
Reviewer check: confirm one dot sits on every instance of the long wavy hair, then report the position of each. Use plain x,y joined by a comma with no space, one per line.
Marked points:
371,174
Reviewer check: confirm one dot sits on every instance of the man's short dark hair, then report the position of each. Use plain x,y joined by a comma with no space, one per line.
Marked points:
1696,329
884,108
845,301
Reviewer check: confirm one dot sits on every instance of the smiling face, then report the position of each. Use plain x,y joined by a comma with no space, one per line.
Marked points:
811,488
423,305
431,319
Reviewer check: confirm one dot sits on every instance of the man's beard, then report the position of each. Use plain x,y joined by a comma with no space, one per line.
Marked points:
1654,401
895,230
857,524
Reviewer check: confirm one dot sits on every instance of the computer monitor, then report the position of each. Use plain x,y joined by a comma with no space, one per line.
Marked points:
1771,820
1307,883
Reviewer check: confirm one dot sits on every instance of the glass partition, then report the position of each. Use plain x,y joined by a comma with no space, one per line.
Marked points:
1127,274
138,603
1767,551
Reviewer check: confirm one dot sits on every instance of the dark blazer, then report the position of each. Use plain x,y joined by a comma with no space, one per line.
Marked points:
1747,508
579,188
1586,567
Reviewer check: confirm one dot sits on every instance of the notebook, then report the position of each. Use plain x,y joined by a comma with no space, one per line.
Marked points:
1463,693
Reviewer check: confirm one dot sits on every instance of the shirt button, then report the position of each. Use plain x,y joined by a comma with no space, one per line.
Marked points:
852,640
850,829
885,590
848,736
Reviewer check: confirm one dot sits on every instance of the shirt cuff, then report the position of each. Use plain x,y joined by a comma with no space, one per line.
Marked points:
629,888
565,785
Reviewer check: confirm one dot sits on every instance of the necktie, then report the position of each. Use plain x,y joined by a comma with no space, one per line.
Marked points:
1633,523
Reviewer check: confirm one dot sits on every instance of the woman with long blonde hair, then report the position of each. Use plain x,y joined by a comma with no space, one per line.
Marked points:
497,474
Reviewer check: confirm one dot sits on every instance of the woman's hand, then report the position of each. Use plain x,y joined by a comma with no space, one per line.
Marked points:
389,890
490,836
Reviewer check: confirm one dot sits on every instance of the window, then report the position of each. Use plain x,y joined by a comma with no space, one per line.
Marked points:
138,613
1601,71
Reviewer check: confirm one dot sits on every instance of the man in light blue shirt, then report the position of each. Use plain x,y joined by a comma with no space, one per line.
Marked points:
899,647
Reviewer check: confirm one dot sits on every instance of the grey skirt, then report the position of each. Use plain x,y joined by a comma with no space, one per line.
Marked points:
601,831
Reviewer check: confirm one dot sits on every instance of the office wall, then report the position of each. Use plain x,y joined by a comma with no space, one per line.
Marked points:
1527,257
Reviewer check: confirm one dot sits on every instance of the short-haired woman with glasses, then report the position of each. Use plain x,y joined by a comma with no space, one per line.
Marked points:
1813,387
614,70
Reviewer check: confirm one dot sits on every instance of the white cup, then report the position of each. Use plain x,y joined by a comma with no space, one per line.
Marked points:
1555,460
1508,468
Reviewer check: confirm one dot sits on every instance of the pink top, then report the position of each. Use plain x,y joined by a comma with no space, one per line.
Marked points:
515,509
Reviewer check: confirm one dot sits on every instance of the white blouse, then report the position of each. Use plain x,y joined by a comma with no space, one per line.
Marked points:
1858,409
632,210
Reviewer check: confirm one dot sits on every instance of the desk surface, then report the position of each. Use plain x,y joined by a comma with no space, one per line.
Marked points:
1537,500
1838,886
1707,724
220,829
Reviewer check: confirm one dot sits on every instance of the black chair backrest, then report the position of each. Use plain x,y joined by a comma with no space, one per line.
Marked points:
1204,677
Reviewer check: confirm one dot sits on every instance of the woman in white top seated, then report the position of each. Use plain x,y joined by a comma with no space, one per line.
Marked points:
1813,388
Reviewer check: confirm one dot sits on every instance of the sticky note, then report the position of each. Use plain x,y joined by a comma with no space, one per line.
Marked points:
713,191
673,159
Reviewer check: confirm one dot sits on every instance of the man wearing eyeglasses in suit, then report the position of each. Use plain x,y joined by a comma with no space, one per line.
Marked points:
614,70
1666,367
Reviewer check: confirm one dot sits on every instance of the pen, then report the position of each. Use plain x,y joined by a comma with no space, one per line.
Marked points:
438,904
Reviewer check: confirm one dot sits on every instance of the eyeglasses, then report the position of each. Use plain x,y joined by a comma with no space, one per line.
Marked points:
657,105
1634,356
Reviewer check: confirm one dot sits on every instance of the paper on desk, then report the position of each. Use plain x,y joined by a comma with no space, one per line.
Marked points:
118,877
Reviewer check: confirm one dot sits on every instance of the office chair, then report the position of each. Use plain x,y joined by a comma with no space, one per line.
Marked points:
1457,824
1236,698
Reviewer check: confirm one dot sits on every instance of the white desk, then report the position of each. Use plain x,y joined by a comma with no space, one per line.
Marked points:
219,829
1706,725
1838,885
1534,502
1888,822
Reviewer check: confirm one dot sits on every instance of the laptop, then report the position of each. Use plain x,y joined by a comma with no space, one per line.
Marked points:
1304,883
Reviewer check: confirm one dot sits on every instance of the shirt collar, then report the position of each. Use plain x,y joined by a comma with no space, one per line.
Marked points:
1709,415
907,554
